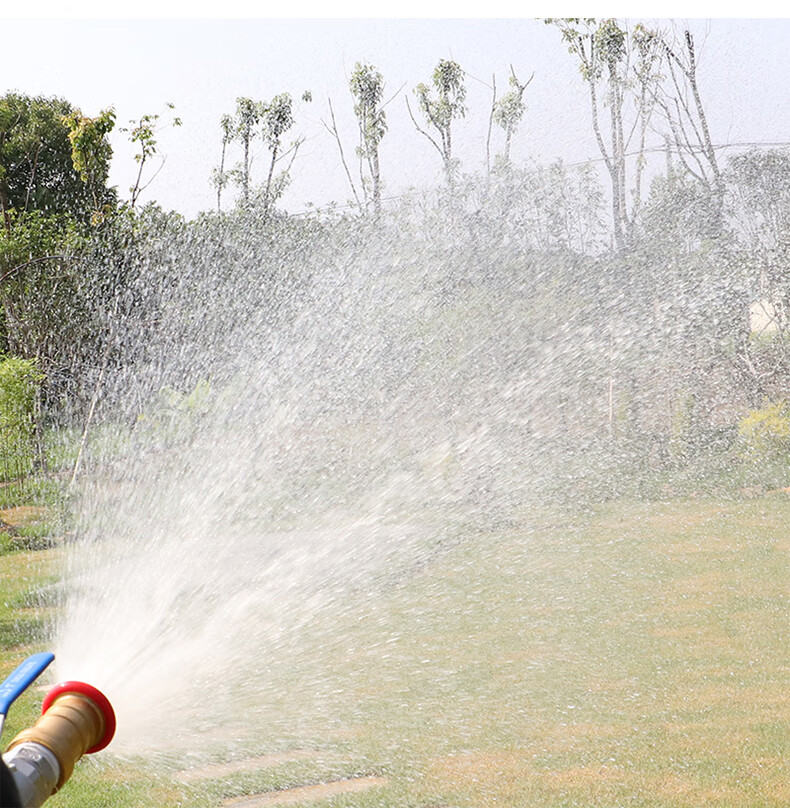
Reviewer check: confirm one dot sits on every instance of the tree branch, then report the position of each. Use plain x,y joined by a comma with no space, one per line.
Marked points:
422,131
36,261
333,131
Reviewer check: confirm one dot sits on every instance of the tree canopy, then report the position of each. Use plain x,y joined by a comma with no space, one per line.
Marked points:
37,166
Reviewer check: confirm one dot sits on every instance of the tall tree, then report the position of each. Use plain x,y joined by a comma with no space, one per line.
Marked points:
367,87
269,122
276,119
143,134
91,153
248,116
54,164
219,176
509,110
37,170
441,109
680,100
617,66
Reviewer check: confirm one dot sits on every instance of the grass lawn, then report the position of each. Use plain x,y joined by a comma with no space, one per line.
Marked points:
630,655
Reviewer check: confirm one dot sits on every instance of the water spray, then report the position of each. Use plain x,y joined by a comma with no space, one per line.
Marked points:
76,720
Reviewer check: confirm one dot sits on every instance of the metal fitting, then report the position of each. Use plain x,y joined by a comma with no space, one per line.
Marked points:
35,772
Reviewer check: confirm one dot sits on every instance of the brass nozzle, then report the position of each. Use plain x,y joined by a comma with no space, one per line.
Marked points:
72,725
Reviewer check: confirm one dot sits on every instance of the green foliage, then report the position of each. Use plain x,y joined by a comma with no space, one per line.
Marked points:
602,44
40,312
509,109
91,151
609,43
37,170
619,67
219,176
19,382
759,204
143,135
35,235
764,434
448,83
248,115
549,208
367,87
54,164
269,122
36,491
276,119
677,214
441,110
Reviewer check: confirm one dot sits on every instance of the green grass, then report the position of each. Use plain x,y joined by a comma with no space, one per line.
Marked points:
23,623
632,654
37,491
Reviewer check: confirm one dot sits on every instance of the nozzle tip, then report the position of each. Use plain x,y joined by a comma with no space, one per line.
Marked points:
97,697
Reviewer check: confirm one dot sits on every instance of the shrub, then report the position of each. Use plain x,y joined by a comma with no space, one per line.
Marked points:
764,445
19,381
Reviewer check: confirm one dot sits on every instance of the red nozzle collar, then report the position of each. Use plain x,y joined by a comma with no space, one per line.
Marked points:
97,697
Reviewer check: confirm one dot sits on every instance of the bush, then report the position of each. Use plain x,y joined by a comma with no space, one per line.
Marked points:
764,445
19,382
764,434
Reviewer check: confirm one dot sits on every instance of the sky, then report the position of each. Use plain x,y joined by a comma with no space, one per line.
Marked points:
138,59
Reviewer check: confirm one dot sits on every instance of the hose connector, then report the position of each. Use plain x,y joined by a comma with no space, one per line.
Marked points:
77,719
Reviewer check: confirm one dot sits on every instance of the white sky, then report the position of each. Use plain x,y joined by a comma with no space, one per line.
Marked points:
100,57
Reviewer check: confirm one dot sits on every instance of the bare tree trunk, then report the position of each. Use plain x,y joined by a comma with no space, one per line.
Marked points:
267,193
245,179
376,182
333,131
490,126
221,175
707,143
4,206
689,125
91,412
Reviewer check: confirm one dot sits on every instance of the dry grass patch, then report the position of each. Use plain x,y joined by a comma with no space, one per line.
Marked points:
514,778
485,775
24,515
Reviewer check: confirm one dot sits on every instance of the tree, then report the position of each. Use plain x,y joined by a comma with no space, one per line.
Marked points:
759,184
440,111
54,164
553,208
616,65
143,134
268,121
19,383
684,112
248,115
37,165
276,119
336,135
508,111
367,87
220,177
91,152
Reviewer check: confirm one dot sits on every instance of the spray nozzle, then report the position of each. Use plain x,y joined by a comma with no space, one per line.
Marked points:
76,720
93,711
